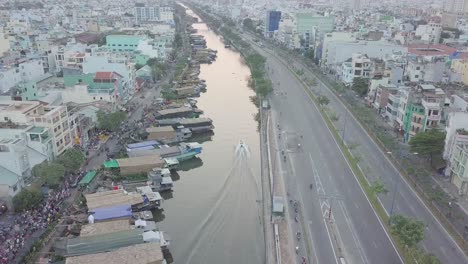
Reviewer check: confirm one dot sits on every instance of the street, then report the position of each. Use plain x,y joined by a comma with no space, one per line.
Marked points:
437,240
338,219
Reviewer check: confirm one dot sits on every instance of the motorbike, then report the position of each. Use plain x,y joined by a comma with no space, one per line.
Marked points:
297,250
298,235
296,218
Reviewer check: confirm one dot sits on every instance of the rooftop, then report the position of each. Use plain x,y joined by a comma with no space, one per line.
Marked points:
431,50
8,177
104,227
138,254
160,129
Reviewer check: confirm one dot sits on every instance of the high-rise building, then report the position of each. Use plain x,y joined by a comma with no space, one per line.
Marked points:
272,21
456,6
356,4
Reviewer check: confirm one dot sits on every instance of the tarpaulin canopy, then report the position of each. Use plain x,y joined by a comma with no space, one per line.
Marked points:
107,213
88,178
111,164
143,144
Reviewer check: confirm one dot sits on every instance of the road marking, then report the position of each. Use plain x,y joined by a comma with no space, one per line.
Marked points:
393,166
350,168
353,233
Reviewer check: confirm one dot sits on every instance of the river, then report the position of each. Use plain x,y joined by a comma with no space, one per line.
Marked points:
214,214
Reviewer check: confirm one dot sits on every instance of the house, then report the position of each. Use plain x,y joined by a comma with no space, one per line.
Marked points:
21,70
359,66
459,167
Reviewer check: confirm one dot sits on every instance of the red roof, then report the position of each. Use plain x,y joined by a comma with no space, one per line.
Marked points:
103,75
431,50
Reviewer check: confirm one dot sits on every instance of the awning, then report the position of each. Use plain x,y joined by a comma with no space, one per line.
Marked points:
88,178
111,164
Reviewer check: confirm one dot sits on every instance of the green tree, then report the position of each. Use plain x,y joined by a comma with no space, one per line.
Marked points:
110,121
50,173
248,24
379,188
158,69
71,159
310,54
323,100
409,231
27,199
430,143
360,86
178,40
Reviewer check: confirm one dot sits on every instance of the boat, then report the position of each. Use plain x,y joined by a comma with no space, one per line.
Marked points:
186,156
171,163
160,179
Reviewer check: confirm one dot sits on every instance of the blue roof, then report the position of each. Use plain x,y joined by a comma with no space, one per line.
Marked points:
143,144
113,212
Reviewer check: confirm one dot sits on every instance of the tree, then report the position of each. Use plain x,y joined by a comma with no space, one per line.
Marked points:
178,40
360,86
27,199
158,69
248,24
310,54
409,231
50,174
71,159
378,188
110,121
323,100
429,143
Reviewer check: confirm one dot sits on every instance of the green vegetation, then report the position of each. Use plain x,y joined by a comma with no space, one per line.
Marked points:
71,159
323,100
158,68
138,66
50,174
379,188
409,231
360,86
27,199
110,121
248,24
168,94
430,143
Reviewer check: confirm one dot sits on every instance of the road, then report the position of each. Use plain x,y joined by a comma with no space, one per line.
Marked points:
376,166
379,167
352,230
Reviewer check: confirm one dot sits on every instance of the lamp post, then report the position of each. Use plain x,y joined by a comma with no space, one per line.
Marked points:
395,189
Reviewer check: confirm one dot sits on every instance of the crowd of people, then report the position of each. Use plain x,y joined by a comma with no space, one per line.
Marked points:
23,226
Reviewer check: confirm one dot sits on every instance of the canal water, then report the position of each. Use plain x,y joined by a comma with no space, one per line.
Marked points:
214,214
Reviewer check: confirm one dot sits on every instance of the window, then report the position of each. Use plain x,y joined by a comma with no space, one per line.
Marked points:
435,112
34,94
101,97
418,68
416,76
94,98
15,188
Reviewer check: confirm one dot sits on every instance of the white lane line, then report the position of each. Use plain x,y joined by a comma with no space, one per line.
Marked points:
353,233
394,167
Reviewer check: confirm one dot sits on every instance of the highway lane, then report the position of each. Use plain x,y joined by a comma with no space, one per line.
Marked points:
353,228
378,166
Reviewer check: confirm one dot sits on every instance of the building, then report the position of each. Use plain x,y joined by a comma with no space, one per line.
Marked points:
272,22
359,66
423,110
22,70
460,68
429,33
336,52
457,118
456,6
307,24
55,118
123,42
144,14
459,167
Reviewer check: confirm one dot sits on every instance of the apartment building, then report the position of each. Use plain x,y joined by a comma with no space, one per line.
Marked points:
359,66
55,118
22,70
459,167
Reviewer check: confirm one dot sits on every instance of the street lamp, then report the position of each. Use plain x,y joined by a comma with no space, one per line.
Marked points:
396,184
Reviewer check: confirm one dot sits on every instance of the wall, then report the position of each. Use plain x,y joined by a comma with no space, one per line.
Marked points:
123,42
